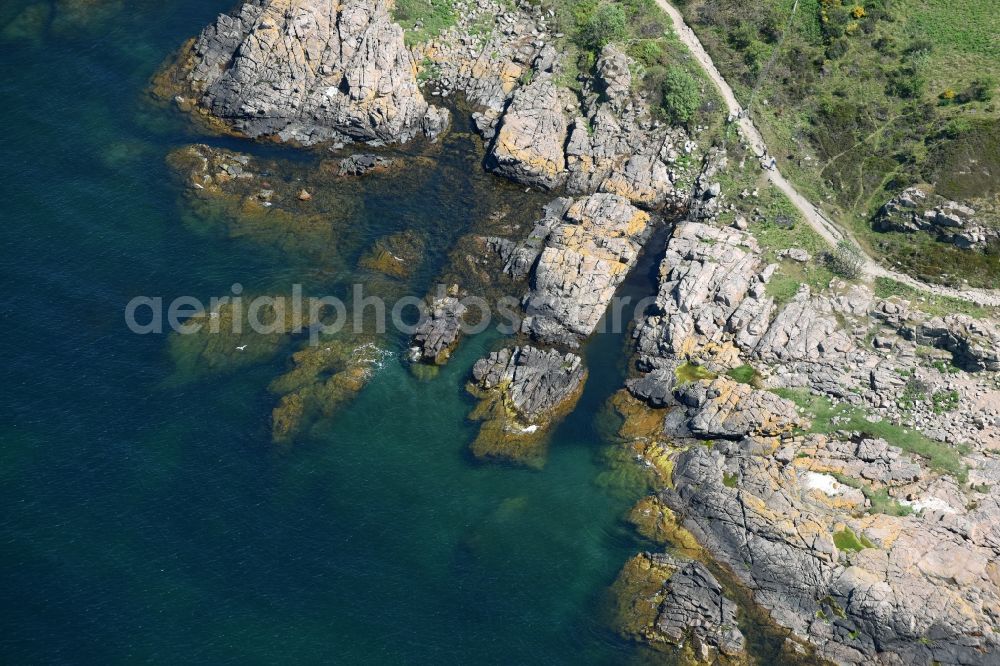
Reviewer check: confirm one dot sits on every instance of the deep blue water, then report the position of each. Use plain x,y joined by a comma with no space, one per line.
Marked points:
145,519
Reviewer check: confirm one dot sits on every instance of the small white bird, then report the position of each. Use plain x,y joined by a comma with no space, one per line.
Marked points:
241,348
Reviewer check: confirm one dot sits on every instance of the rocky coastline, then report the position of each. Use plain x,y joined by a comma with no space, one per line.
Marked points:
833,452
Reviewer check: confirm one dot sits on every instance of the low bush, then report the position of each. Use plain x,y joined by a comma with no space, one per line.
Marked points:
847,260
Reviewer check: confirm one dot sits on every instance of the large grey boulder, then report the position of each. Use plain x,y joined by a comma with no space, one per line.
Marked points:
975,345
437,334
614,76
311,71
529,143
712,291
804,330
535,383
587,254
917,209
727,409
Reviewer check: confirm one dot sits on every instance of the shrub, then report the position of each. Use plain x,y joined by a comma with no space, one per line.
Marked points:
905,83
742,36
647,51
846,260
914,391
681,95
981,90
945,401
836,49
607,24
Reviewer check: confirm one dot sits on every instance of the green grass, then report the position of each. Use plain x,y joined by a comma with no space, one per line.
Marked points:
729,480
930,303
745,374
689,372
782,228
882,503
847,541
963,32
782,288
436,16
649,40
879,499
822,412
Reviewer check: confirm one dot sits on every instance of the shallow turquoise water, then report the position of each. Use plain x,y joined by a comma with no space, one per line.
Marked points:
144,519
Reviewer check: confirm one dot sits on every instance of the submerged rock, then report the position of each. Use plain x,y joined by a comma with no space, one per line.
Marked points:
524,392
223,338
323,377
249,198
29,24
359,165
307,71
396,255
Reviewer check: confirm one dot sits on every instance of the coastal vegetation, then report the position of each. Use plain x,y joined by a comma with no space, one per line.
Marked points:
846,540
861,99
828,417
671,80
745,374
932,304
690,372
879,500
423,20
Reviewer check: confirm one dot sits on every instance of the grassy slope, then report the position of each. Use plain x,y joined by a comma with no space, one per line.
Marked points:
828,417
843,131
432,16
648,39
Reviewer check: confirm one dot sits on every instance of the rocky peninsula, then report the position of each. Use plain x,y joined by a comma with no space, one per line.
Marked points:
829,450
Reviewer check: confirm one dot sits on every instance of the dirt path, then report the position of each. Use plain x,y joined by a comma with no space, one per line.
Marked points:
816,219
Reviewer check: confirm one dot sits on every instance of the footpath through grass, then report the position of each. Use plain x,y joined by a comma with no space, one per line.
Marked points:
862,98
